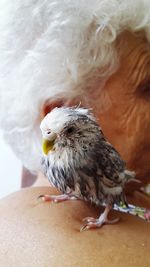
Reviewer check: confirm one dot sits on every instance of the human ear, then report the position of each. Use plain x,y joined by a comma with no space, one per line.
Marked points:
49,105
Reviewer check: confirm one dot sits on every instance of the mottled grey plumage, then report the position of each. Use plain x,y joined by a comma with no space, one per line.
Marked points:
82,162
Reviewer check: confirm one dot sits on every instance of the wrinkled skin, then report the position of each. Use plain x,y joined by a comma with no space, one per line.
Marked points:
126,122
123,105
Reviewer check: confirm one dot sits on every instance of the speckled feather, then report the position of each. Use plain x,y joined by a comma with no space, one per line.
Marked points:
83,162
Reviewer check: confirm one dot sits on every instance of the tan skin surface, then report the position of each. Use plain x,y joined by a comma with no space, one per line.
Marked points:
47,235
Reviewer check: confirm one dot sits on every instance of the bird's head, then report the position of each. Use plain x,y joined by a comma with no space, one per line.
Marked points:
73,129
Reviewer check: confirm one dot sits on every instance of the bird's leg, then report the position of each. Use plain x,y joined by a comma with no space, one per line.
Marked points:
57,198
91,223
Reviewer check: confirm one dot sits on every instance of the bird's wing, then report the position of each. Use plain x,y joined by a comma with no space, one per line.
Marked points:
110,163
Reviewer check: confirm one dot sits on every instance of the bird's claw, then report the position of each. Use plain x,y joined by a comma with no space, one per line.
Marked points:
57,198
91,223
50,198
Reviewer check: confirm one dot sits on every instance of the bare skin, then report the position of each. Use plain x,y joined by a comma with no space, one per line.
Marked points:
43,234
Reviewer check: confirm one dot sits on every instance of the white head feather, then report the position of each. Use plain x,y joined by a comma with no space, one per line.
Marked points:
58,117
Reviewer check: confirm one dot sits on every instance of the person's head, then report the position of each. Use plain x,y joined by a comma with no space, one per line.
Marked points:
96,53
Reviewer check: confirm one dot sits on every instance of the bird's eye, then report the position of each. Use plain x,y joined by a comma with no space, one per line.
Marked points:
70,130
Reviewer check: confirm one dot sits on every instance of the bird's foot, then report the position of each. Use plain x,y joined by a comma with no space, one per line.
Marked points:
92,223
57,198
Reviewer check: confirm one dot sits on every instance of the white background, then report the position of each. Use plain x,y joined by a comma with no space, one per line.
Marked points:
10,170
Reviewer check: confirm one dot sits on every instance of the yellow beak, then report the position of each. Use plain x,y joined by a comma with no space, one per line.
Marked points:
47,145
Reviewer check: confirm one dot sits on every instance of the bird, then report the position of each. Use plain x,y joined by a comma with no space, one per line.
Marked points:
80,162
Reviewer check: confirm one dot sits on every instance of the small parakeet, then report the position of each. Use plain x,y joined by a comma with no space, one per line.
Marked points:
81,163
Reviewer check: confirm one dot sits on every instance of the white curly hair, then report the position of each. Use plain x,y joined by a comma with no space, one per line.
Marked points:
52,49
